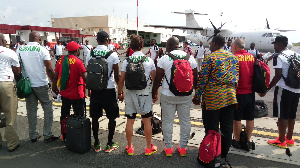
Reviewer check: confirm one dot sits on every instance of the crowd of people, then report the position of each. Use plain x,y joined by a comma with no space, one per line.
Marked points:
222,84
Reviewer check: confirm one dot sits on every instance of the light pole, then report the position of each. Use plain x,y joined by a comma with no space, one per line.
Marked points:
137,17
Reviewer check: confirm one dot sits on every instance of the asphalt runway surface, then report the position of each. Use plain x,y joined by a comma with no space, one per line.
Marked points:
55,154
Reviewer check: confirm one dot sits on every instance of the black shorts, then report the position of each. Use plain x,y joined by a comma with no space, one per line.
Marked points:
105,99
246,107
287,103
133,116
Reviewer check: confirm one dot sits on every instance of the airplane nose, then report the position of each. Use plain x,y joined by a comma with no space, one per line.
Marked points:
289,46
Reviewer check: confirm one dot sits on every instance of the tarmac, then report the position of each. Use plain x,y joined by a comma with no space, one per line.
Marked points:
55,154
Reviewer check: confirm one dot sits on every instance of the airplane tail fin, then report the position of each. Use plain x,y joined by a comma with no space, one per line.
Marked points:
190,19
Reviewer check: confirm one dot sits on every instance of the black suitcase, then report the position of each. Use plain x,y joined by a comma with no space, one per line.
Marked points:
78,133
261,109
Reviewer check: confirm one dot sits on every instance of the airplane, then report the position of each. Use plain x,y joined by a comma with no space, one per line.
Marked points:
262,38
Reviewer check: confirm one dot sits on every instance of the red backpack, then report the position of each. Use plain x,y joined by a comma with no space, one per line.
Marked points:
182,77
210,150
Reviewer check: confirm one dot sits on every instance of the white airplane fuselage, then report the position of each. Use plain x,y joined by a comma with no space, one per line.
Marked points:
262,38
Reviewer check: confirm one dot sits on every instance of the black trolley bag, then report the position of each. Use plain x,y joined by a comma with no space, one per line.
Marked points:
78,132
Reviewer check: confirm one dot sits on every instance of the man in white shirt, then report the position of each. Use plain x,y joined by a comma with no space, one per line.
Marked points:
37,65
105,99
20,44
57,50
254,52
228,47
9,70
287,97
110,46
171,103
86,52
138,101
200,55
46,46
153,50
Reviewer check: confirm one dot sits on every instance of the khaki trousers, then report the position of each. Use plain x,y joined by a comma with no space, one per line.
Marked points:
9,106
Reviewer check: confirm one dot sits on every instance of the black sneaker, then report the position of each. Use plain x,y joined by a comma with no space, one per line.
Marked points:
35,139
53,138
236,144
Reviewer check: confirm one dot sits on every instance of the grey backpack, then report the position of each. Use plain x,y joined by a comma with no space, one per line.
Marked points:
97,78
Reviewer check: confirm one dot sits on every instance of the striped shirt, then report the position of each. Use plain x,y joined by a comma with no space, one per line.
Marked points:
217,81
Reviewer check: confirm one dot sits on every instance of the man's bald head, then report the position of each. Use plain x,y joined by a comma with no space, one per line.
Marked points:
237,45
35,37
2,40
172,44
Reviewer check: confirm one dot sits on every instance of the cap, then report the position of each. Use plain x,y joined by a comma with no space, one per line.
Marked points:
102,35
280,39
72,46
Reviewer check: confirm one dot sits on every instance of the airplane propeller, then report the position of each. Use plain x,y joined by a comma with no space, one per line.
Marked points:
268,26
216,30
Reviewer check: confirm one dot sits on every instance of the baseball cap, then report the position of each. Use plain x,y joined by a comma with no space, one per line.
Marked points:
102,35
280,39
72,46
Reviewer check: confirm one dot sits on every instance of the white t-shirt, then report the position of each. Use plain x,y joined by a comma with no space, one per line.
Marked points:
227,48
282,62
148,64
47,48
153,50
33,56
111,47
166,62
58,49
254,52
201,51
111,60
86,49
8,58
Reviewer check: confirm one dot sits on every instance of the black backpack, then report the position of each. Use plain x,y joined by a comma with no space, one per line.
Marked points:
156,124
245,144
135,78
97,78
261,77
293,78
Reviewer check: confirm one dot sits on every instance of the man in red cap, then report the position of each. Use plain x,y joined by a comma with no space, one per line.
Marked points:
70,75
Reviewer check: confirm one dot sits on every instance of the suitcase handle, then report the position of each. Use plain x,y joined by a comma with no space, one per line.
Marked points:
84,89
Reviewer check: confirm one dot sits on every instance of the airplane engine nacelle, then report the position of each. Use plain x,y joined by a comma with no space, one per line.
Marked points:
207,32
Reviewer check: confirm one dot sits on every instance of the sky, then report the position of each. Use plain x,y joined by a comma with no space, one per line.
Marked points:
239,15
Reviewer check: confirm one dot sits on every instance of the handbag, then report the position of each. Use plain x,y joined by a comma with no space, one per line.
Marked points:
23,86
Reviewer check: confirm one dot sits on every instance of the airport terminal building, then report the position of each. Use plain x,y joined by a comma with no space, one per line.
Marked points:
82,28
119,29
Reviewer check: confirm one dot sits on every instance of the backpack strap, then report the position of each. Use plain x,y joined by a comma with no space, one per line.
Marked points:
108,54
187,57
172,56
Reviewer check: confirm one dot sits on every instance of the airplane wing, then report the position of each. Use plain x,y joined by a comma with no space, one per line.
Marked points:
285,30
175,27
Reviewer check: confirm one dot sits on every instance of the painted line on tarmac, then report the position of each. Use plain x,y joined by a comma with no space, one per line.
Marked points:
271,134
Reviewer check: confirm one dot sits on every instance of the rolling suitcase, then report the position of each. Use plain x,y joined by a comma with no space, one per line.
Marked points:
78,133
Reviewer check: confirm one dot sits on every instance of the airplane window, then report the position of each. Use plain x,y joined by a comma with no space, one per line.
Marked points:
276,34
264,35
270,35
